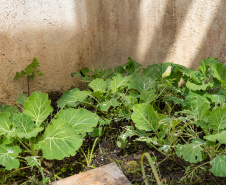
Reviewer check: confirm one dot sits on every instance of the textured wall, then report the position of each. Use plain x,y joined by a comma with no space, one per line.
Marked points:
67,35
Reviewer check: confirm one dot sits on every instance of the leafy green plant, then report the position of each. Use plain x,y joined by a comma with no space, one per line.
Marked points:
112,98
200,124
212,125
30,72
88,75
188,121
142,104
210,73
27,136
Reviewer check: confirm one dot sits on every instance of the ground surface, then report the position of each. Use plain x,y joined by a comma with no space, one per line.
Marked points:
171,171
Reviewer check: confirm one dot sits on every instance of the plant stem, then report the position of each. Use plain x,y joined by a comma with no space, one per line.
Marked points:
44,180
217,147
161,151
23,145
199,166
16,171
212,152
152,167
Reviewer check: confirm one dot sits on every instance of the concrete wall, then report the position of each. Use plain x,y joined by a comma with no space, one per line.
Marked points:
66,35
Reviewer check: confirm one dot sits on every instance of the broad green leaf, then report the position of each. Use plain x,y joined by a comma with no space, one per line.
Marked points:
25,127
11,109
71,97
129,101
199,106
38,107
125,112
98,85
166,126
5,124
134,93
165,148
175,74
82,72
3,107
22,99
119,69
175,100
102,73
8,139
217,118
206,64
33,161
219,72
219,166
132,66
148,96
81,119
221,137
59,140
217,99
67,98
122,139
145,117
82,95
183,69
104,121
197,77
156,70
149,140
203,68
106,105
118,81
141,82
8,156
210,61
222,91
96,132
191,152
195,87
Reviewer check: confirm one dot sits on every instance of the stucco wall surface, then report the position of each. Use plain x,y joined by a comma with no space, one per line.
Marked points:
66,35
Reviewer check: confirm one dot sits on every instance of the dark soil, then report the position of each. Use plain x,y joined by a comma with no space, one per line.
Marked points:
171,170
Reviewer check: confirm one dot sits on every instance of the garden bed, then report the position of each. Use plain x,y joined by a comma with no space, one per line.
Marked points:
125,112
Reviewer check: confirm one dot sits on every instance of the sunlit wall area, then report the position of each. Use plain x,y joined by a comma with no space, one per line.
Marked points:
66,35
49,30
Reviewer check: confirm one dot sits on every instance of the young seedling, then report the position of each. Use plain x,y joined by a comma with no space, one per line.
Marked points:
30,71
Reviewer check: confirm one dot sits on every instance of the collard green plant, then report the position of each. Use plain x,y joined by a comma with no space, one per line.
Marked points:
188,121
203,107
27,133
150,107
30,72
209,75
212,124
88,75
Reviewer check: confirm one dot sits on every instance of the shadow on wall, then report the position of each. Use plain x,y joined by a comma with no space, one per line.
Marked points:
112,28
167,31
114,31
215,36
